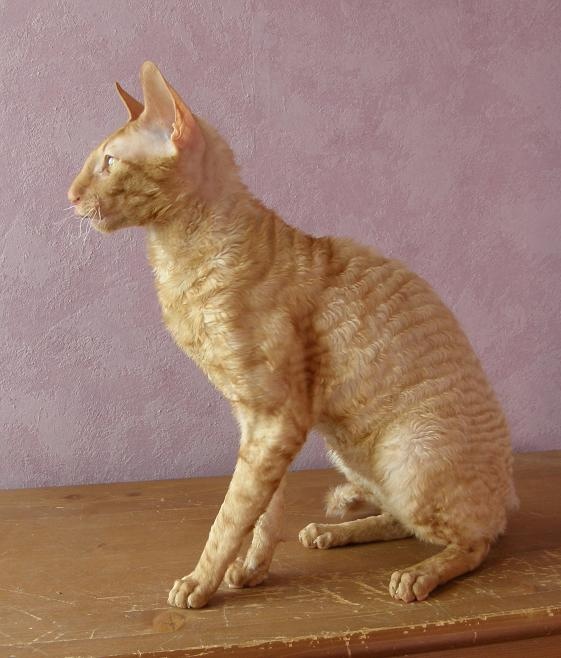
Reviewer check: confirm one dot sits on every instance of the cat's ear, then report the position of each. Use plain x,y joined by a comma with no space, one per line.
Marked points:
164,110
134,108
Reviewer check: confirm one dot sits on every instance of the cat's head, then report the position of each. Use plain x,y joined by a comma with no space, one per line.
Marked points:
161,159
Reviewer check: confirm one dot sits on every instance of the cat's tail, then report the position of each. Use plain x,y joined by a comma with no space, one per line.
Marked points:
512,500
349,499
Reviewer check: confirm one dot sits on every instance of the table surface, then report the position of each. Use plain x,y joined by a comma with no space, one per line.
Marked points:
85,571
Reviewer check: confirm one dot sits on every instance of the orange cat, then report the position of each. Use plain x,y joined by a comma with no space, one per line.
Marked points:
299,333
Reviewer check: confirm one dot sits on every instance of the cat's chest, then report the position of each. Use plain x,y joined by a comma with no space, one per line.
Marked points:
185,314
184,319
179,292
199,322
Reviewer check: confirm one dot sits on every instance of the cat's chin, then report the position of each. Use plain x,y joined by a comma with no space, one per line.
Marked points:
103,224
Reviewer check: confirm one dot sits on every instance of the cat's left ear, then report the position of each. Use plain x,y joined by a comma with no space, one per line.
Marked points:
165,113
134,108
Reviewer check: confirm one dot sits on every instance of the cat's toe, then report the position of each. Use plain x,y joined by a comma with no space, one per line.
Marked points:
188,592
315,536
411,585
240,574
235,574
308,535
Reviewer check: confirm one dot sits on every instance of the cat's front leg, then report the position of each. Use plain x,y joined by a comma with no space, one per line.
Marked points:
265,454
254,568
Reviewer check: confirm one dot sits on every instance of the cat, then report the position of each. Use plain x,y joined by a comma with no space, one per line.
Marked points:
302,332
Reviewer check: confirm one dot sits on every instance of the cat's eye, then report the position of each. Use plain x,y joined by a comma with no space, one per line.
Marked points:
110,161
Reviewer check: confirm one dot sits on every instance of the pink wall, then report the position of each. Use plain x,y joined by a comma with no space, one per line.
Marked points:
429,129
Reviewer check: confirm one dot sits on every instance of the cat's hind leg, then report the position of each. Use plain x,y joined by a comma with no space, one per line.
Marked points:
254,568
450,489
381,527
415,583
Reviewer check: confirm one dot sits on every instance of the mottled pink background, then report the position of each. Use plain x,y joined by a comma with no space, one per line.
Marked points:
429,129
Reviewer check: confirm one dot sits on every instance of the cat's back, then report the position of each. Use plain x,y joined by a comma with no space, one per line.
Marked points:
392,349
372,306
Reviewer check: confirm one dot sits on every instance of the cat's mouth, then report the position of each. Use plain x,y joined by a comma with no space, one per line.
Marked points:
91,211
96,218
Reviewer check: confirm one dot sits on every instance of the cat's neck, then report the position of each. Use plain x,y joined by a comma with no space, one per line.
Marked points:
205,242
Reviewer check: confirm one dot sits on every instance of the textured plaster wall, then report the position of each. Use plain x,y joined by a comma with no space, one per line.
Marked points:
429,129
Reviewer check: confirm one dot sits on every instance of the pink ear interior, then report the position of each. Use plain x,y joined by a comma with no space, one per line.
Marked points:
164,108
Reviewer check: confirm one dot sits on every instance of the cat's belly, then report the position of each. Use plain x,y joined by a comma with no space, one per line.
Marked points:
348,453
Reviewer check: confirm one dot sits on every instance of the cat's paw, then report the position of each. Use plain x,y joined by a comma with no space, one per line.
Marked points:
189,592
240,574
315,535
412,585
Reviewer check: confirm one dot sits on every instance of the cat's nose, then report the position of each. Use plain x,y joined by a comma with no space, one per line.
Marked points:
73,195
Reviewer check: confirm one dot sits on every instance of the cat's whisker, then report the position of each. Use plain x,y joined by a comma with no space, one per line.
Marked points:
61,223
88,226
69,212
88,230
88,216
81,224
65,216
98,207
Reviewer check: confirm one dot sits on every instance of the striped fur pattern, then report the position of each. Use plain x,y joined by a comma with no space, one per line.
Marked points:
300,332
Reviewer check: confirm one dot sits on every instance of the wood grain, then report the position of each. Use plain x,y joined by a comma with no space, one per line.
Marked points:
84,572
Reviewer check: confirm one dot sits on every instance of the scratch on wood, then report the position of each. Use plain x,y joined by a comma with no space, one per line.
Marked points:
37,650
40,636
151,608
369,588
36,596
25,612
337,597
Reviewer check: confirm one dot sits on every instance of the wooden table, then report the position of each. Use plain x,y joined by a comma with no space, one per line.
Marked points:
84,572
